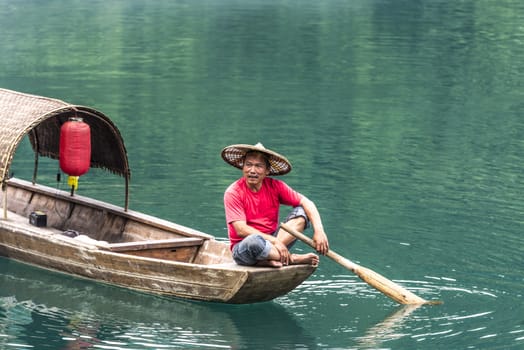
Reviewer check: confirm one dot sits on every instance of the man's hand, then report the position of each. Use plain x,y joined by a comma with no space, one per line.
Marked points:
321,241
284,252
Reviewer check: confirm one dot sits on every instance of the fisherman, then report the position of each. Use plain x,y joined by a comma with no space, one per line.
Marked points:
252,210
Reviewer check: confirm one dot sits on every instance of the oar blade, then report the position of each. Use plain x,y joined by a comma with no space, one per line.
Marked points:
388,287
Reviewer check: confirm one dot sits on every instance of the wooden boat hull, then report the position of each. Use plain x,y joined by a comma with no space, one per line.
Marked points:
209,273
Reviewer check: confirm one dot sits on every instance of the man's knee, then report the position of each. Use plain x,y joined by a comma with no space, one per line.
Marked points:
251,249
298,223
298,219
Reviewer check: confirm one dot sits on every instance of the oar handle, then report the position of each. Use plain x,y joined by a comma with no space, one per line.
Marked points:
331,254
298,235
375,280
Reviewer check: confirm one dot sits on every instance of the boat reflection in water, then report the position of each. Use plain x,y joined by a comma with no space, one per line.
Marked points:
64,312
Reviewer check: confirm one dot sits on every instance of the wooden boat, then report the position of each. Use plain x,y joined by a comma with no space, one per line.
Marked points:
113,244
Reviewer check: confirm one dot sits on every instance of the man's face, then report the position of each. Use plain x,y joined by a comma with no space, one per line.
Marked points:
255,170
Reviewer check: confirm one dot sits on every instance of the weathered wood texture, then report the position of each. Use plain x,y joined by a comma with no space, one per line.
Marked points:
176,249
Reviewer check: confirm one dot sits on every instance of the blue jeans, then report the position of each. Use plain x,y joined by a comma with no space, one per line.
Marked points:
255,248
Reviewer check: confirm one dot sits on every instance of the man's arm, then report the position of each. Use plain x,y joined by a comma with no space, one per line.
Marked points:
244,230
319,236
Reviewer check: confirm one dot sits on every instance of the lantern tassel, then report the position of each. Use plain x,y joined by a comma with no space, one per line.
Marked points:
73,182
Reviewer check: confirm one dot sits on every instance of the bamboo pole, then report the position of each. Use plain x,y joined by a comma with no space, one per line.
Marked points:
4,192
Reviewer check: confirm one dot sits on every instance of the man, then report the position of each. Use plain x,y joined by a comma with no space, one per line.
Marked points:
252,210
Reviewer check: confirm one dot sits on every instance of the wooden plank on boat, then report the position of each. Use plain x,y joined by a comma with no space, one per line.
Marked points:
155,244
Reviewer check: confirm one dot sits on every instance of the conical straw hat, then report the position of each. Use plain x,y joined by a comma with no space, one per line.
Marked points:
235,154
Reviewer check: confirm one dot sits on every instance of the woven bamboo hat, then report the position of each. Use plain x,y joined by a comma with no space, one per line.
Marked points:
235,154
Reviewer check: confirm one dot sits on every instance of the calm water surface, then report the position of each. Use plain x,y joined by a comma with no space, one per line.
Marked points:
403,121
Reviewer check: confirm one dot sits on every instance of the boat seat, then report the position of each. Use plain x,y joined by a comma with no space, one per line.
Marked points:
155,244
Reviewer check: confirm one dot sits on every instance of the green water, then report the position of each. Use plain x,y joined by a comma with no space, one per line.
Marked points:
404,123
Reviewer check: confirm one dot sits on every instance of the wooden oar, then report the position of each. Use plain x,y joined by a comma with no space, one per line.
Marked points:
377,281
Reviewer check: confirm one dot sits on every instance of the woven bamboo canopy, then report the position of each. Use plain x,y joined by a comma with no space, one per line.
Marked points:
41,118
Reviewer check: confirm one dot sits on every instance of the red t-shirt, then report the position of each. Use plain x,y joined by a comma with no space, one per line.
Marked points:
258,209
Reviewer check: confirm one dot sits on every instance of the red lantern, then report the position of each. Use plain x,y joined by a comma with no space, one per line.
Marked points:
75,149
